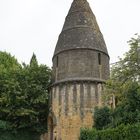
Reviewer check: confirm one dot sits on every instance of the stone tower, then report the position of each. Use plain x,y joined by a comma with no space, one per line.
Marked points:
80,68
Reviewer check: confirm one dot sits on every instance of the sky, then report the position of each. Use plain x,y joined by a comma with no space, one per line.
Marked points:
33,26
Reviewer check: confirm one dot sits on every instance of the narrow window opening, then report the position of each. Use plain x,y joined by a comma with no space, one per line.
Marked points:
57,61
99,58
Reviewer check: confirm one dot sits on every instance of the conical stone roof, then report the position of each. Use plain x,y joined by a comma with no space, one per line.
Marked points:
80,30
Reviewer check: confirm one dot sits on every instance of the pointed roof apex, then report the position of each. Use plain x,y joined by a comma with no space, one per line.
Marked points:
80,14
80,6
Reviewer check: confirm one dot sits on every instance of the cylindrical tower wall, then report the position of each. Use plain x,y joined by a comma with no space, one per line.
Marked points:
72,105
81,64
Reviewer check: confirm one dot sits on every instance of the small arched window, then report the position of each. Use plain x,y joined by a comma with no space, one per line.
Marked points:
99,58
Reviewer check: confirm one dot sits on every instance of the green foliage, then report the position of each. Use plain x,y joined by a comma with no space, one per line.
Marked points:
126,70
128,111
20,135
102,117
33,61
122,132
24,96
8,63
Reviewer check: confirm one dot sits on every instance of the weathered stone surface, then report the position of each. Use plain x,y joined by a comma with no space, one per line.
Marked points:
80,30
80,68
79,113
81,64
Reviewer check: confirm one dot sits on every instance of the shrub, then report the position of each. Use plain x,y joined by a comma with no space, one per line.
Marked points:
19,135
122,132
102,117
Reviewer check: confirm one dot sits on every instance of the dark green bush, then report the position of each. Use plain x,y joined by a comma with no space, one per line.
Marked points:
20,135
122,132
102,117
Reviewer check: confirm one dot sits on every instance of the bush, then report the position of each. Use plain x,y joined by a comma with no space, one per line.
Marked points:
102,117
122,132
20,135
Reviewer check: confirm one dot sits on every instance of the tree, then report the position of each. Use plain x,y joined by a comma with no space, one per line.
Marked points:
102,117
24,96
8,63
35,82
33,61
128,111
124,84
124,71
128,68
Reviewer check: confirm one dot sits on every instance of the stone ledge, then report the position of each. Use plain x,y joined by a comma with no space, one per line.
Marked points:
75,80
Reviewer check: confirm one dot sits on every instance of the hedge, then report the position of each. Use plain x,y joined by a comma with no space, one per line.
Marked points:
21,135
122,132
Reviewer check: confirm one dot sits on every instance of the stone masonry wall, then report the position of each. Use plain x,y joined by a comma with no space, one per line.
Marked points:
80,63
72,106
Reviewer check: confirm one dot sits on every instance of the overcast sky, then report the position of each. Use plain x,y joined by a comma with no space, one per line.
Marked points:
28,26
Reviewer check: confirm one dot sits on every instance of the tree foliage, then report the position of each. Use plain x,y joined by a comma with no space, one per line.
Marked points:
120,123
24,95
8,63
122,132
102,117
128,111
125,85
128,68
125,71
